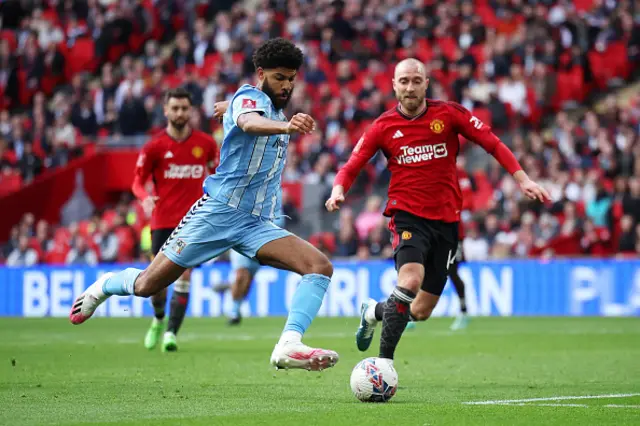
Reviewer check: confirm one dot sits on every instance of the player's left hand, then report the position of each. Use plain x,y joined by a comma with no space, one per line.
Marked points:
534,191
219,108
337,198
148,204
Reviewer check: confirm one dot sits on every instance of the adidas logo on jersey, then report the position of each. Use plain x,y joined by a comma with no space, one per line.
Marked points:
169,154
397,134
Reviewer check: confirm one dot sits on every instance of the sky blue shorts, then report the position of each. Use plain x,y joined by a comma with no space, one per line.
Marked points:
210,228
239,261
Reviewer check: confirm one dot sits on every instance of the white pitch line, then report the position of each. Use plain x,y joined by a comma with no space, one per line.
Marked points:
552,398
554,405
621,406
529,404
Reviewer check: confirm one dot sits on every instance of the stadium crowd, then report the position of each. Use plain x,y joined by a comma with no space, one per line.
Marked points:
74,73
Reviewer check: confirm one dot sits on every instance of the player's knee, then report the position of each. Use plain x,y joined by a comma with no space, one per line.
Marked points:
321,265
411,282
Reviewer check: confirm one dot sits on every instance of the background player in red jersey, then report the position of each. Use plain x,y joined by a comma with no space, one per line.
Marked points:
177,160
420,140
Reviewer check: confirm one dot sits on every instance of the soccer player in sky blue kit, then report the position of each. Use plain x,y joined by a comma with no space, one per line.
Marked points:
238,210
244,269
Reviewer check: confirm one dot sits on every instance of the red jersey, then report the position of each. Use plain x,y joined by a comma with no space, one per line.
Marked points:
421,153
178,169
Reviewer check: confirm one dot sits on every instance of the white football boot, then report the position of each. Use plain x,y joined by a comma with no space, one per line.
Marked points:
87,303
299,355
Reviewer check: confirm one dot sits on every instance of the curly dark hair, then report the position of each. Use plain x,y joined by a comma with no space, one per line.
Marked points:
278,53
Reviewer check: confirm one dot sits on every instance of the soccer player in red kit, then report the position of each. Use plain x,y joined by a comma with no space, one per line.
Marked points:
462,320
420,140
177,160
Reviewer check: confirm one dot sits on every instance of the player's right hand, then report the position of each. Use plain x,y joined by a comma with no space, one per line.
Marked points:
219,108
301,123
148,204
337,198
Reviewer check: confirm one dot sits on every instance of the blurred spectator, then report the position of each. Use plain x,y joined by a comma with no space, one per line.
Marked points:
84,118
322,172
43,238
627,243
81,253
513,91
132,116
12,244
29,164
347,241
183,53
631,200
598,209
378,241
370,217
107,242
22,255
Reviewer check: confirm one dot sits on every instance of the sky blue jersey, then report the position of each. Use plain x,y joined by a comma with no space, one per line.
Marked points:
250,171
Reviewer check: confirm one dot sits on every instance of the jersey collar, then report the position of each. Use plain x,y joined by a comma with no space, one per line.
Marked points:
176,140
406,117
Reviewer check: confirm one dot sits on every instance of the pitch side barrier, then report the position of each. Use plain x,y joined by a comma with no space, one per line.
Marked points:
578,287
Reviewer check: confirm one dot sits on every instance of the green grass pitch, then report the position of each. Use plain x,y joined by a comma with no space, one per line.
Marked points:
53,373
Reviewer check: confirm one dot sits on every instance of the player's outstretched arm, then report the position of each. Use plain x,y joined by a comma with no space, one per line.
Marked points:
365,149
476,131
255,124
144,167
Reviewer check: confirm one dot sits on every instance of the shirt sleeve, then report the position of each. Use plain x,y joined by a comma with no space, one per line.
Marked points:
144,168
479,133
248,100
365,149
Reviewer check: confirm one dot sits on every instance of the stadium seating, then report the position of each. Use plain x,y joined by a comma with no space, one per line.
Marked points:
117,45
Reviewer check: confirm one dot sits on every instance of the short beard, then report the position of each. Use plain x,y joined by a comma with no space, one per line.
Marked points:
419,102
178,126
277,102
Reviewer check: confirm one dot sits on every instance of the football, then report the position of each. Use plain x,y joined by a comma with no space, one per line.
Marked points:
374,380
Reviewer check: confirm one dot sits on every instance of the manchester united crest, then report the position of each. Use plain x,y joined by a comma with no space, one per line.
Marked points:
197,151
437,126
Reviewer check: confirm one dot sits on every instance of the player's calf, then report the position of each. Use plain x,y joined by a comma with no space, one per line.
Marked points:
294,254
423,306
396,310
